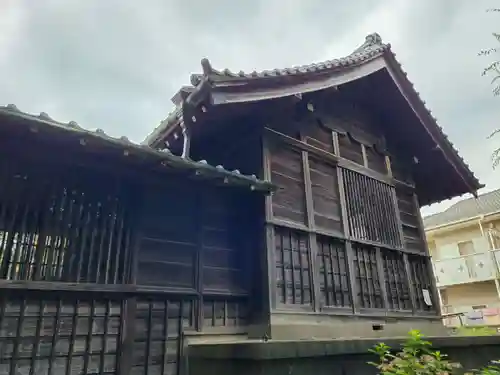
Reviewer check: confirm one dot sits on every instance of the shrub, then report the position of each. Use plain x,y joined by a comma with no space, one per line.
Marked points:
416,357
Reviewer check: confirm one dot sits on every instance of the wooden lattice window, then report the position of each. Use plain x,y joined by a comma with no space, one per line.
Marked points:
292,267
333,272
158,327
287,174
369,292
64,228
49,334
222,312
396,281
421,279
371,209
325,195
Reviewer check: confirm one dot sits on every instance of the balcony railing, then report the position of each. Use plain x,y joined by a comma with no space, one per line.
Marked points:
467,269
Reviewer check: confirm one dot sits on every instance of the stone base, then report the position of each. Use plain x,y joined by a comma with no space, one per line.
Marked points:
323,357
291,326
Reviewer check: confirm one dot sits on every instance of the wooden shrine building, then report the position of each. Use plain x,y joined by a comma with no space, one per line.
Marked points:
268,206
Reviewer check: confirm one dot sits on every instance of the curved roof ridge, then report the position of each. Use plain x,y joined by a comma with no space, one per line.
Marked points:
372,47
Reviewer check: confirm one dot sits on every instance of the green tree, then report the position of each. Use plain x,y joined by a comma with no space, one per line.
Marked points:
493,71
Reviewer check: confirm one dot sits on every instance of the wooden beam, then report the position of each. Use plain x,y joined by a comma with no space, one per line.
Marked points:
313,245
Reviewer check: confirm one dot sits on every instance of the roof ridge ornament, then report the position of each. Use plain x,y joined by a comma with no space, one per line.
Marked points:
371,40
206,66
374,38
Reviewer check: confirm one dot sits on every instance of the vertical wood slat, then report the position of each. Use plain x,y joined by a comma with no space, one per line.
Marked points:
126,357
370,210
381,276
313,245
45,236
348,246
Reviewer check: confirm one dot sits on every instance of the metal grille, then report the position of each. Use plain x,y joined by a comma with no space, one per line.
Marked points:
59,336
396,281
62,230
158,330
369,293
421,279
219,312
371,210
334,280
292,267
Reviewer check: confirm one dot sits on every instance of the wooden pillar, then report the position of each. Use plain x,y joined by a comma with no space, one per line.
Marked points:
313,245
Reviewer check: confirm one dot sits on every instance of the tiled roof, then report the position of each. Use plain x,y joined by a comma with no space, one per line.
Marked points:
371,48
201,168
468,208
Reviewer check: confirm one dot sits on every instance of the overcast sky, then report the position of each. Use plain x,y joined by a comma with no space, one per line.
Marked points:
115,64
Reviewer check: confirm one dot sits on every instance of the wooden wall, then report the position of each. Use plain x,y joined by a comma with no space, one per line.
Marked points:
194,237
346,227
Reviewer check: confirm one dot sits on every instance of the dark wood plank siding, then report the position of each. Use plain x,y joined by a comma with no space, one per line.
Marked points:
196,238
319,136
168,246
287,174
375,160
222,244
325,195
350,148
409,215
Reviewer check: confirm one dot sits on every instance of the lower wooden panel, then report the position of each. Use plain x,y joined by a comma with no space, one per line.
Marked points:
75,333
51,334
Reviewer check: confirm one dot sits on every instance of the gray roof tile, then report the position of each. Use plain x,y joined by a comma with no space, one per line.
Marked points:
467,208
166,158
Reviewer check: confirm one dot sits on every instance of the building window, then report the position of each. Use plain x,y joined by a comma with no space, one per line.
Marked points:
396,280
333,272
466,248
369,292
292,267
371,209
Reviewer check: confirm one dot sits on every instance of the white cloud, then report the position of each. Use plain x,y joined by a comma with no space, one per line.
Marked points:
115,64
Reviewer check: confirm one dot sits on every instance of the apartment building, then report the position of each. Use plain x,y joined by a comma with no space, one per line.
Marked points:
464,242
